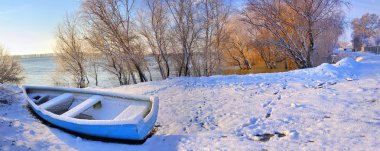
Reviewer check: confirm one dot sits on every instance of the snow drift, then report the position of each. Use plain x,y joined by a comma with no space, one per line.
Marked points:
330,107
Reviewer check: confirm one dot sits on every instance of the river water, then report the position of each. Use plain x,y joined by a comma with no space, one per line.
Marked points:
41,71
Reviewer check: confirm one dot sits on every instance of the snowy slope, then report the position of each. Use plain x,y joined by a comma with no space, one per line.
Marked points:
333,107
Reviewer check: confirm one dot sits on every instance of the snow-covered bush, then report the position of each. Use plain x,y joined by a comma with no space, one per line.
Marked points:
10,69
9,94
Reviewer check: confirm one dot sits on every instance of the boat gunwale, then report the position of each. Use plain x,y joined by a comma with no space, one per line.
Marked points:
153,107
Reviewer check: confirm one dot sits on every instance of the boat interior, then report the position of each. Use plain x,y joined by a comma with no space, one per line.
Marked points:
89,106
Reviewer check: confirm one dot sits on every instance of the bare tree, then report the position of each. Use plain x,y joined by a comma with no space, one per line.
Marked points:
247,47
113,63
239,53
328,40
117,68
10,69
94,65
155,29
295,24
112,18
70,52
237,49
364,29
213,33
269,53
186,30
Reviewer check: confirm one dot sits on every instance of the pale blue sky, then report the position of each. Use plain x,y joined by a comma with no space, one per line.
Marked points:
28,26
356,10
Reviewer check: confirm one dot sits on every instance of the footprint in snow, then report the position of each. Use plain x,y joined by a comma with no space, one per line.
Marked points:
276,92
31,132
267,136
269,102
252,121
269,113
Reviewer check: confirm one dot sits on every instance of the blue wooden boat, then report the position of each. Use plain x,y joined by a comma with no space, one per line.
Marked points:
95,113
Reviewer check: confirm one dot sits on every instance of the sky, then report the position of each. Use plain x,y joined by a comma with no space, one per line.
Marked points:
28,26
356,9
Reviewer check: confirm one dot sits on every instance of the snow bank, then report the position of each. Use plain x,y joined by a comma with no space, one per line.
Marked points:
9,94
349,63
342,69
330,107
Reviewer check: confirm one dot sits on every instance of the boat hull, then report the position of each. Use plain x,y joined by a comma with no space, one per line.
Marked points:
125,130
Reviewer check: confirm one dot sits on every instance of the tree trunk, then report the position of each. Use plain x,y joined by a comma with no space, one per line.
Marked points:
310,51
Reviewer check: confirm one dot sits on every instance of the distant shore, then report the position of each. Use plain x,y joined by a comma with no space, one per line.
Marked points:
34,55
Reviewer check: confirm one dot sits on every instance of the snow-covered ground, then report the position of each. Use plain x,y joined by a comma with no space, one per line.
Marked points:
330,107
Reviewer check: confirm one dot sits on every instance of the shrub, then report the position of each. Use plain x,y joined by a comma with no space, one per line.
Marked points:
10,69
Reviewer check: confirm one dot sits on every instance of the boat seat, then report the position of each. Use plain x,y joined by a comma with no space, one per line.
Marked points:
83,106
57,100
132,112
40,98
